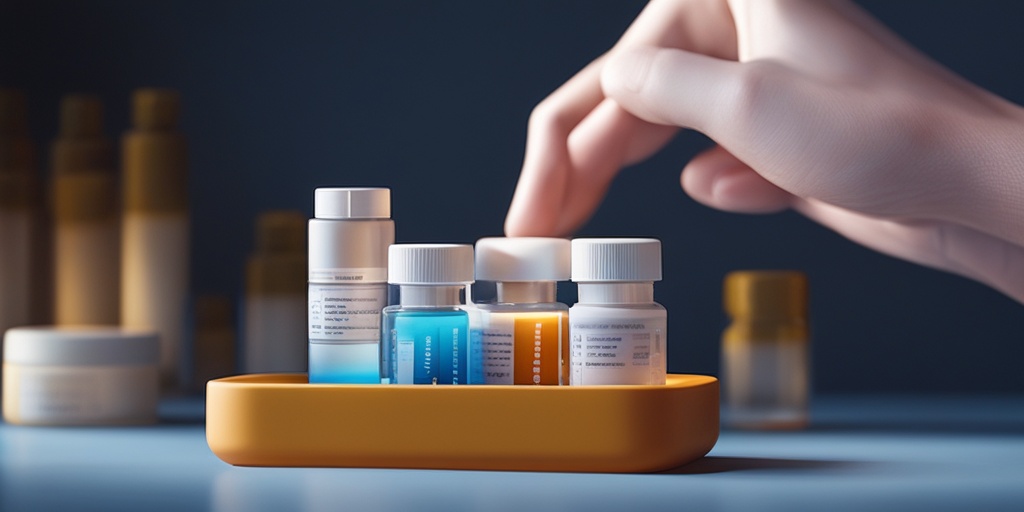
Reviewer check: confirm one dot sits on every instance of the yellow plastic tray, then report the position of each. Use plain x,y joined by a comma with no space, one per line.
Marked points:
281,420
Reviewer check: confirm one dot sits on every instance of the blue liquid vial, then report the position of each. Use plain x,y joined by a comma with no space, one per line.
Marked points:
425,339
429,345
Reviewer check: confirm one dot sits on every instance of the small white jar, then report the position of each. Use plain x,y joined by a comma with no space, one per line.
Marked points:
80,376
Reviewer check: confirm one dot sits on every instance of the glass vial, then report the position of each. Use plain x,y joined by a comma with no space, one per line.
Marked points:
765,350
426,336
618,331
87,231
17,189
154,229
524,334
348,250
275,295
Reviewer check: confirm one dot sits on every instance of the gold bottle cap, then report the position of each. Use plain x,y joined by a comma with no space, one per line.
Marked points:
155,109
81,115
17,153
281,231
13,113
213,312
154,156
765,294
278,266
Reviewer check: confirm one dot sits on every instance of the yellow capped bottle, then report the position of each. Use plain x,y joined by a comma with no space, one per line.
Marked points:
765,350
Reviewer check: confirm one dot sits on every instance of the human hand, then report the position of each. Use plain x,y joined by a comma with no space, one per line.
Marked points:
815,106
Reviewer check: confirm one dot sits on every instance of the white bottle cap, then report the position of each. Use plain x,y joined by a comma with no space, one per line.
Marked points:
80,346
437,264
522,259
616,259
352,203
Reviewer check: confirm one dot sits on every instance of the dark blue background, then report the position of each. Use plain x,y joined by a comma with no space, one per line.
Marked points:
431,99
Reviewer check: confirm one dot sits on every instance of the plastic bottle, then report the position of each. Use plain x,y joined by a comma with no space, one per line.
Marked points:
524,335
618,331
87,249
765,350
348,248
17,183
155,227
426,336
275,295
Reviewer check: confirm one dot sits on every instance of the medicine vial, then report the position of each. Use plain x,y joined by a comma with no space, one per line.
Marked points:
765,350
618,333
348,270
155,227
87,231
213,340
275,295
426,336
524,334
17,185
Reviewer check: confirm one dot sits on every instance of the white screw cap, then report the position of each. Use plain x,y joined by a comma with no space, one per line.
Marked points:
352,203
616,259
438,264
522,259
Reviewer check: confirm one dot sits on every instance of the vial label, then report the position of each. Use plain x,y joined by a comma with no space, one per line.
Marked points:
617,351
348,275
522,348
346,312
498,339
405,361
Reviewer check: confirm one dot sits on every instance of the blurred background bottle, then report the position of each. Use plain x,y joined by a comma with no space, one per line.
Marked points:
86,250
155,231
765,350
275,295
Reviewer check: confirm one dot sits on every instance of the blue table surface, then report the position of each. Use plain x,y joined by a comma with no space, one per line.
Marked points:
861,453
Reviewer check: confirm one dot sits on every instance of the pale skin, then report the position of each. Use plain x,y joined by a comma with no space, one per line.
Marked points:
814,106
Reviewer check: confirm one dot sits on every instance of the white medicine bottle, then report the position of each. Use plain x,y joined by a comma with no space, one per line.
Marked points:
524,334
618,332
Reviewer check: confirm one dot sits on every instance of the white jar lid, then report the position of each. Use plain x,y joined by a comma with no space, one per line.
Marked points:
80,346
352,203
522,259
430,264
616,259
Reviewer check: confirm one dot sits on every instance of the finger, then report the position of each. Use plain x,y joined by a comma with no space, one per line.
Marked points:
941,245
718,179
536,203
572,149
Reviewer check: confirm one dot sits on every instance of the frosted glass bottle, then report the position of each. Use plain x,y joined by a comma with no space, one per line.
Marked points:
425,338
348,244
765,350
17,186
618,332
275,296
524,334
155,227
87,231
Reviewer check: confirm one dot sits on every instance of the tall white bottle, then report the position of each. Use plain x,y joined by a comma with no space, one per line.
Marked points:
275,295
155,232
348,276
87,234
